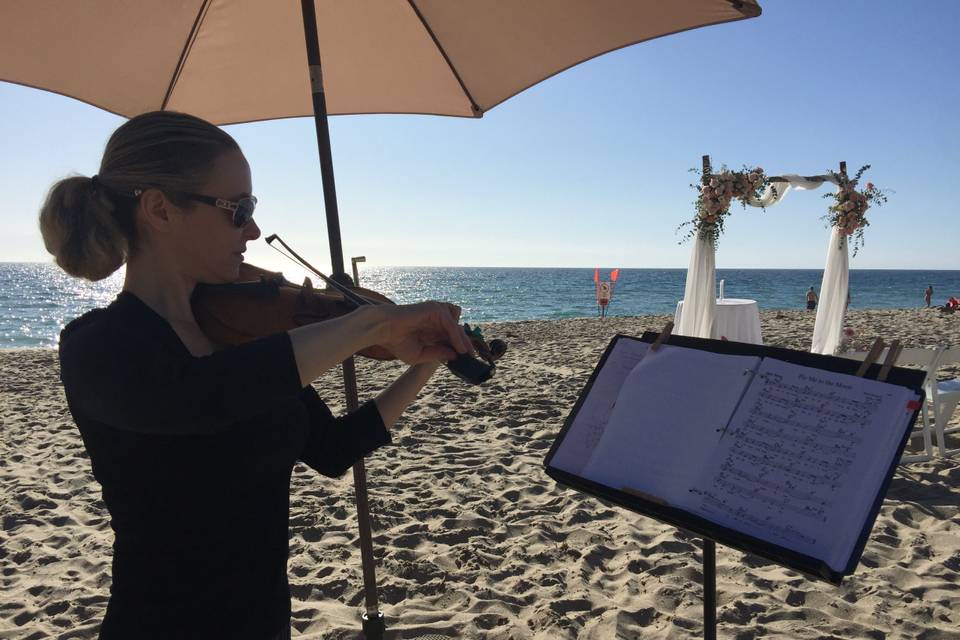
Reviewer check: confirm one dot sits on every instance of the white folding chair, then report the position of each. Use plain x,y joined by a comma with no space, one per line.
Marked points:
925,359
945,395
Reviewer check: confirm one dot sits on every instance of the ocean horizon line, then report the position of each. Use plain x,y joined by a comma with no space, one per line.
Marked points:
724,268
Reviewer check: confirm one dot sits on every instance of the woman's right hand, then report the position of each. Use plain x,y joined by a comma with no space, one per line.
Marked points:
423,332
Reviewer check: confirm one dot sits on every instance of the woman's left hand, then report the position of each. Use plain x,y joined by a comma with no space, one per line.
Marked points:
423,332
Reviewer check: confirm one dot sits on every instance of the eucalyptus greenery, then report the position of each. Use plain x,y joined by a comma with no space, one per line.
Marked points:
849,208
715,192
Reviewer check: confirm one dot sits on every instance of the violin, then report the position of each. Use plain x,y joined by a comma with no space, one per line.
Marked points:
263,302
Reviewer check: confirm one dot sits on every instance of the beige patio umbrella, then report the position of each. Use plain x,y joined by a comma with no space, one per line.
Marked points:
232,61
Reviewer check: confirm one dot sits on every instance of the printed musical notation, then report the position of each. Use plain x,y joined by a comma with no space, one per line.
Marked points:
594,418
745,517
792,455
592,427
788,460
591,420
654,420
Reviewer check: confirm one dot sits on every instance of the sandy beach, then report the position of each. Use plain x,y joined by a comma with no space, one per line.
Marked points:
473,539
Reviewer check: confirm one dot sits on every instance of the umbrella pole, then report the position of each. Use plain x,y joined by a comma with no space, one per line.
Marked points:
373,621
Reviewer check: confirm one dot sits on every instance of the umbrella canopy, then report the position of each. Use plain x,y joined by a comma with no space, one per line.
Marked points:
231,61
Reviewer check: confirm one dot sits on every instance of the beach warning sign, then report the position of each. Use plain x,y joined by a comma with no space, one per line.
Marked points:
604,290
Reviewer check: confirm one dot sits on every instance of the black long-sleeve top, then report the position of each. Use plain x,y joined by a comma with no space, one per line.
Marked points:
194,456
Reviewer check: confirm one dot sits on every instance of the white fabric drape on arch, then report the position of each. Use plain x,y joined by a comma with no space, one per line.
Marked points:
832,306
699,303
774,193
699,298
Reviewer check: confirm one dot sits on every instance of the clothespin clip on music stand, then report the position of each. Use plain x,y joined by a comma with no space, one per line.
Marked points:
663,337
893,352
873,356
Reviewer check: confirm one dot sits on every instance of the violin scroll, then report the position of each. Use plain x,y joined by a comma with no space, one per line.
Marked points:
473,370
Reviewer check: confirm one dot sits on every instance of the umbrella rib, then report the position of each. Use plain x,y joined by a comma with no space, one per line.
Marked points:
201,14
473,104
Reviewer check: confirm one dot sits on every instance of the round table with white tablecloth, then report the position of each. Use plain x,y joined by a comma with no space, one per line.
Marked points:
736,319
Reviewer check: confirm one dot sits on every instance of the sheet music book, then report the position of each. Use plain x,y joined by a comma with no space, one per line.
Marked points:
778,452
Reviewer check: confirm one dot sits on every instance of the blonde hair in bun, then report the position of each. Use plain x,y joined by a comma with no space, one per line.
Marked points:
89,224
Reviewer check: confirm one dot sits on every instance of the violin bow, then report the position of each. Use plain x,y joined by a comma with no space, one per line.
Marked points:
352,296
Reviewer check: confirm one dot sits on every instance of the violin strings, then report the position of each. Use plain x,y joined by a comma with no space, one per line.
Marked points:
345,291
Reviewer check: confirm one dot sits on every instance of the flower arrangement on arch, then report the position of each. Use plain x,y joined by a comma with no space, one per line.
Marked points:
715,193
850,204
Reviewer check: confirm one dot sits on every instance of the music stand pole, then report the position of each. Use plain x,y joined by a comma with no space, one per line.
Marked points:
709,589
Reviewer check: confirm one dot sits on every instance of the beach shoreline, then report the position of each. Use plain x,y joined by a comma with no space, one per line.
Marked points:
472,538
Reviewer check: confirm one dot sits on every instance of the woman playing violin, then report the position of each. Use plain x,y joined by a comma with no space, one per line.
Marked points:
192,445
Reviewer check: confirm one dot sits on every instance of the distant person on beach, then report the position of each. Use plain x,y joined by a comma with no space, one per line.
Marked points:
928,294
194,445
811,299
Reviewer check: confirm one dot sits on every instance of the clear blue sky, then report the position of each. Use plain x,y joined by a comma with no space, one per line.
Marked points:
591,167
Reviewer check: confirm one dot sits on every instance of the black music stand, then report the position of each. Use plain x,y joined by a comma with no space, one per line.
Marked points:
711,532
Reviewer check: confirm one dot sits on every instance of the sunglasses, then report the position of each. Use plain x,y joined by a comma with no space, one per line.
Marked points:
242,209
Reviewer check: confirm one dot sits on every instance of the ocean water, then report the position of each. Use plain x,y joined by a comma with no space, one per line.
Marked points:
37,299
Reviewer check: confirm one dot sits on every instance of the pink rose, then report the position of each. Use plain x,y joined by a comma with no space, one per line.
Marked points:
870,186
